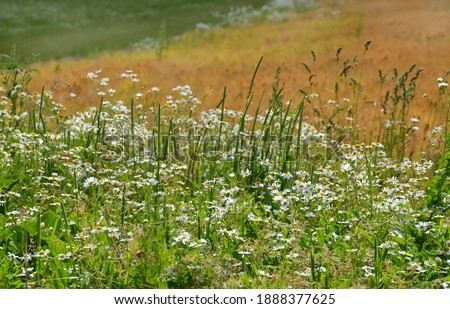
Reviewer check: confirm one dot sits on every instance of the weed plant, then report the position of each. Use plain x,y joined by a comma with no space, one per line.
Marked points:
145,192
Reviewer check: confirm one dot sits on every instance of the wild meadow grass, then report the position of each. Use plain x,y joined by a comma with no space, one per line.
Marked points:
144,191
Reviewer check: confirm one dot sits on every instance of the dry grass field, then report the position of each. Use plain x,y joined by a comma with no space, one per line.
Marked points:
402,33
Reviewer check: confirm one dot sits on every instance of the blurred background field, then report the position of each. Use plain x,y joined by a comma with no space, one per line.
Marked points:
56,29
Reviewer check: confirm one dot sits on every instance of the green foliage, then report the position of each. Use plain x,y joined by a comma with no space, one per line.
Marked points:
439,191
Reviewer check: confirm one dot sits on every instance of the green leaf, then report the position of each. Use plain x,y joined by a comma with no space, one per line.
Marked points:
9,186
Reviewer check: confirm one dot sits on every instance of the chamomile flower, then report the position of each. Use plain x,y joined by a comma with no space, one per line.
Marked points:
89,182
63,257
183,237
292,255
26,257
437,129
422,226
346,167
246,173
233,233
442,84
42,254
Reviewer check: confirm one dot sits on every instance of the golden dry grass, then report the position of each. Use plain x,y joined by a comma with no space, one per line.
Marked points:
403,33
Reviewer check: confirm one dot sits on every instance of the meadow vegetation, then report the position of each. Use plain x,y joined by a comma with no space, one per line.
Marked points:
402,34
150,187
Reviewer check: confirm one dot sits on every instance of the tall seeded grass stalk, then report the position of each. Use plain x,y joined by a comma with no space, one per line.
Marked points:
15,75
382,98
393,131
358,90
248,101
252,159
287,158
395,108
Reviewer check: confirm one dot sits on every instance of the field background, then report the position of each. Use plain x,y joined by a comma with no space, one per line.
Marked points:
402,33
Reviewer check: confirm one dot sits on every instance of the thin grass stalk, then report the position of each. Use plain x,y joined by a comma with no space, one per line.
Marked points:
312,267
290,133
253,156
132,154
66,222
39,231
249,99
122,211
41,116
158,125
94,120
99,126
284,138
167,140
273,111
299,132
222,106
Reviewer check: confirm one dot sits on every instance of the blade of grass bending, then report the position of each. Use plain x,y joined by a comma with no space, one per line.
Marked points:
94,120
282,138
268,124
299,131
222,105
242,122
290,132
252,159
